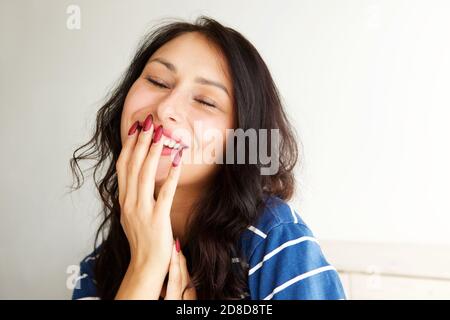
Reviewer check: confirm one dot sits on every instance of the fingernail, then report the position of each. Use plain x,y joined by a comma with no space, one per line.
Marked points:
148,122
133,128
158,134
177,245
177,159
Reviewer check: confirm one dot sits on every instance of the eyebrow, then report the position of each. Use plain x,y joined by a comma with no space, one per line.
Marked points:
212,83
200,80
168,65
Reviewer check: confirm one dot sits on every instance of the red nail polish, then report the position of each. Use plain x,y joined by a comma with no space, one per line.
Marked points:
133,128
177,245
148,122
158,134
177,159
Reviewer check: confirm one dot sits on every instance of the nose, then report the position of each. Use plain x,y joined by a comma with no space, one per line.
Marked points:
172,109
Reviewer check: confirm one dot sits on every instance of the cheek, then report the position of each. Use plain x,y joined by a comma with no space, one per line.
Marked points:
208,129
138,97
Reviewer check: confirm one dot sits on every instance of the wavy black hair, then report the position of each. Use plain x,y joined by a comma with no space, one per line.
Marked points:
237,195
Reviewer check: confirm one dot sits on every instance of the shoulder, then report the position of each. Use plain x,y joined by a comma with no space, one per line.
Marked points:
275,219
85,284
285,259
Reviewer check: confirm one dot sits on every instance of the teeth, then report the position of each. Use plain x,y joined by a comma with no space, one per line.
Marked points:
171,144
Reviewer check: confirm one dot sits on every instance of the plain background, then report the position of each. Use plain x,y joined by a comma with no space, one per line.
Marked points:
366,84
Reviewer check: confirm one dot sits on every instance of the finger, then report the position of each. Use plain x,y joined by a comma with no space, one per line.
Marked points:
137,158
123,159
189,294
149,168
173,291
183,269
165,196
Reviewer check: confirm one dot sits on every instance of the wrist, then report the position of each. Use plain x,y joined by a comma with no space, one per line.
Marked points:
146,267
141,281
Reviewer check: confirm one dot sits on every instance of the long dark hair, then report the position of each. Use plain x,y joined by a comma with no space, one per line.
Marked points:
236,198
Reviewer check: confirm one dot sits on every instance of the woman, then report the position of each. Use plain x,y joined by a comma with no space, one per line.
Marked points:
176,228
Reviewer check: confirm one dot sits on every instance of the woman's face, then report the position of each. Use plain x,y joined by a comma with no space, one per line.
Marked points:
186,87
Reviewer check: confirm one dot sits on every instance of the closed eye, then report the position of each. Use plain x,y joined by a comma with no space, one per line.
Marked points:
157,83
208,104
163,86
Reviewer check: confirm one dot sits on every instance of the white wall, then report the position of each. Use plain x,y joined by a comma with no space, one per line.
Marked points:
366,83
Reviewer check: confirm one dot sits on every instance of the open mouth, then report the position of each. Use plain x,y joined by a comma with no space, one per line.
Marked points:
171,144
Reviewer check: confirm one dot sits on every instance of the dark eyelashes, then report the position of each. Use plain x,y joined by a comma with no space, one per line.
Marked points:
205,103
163,86
157,84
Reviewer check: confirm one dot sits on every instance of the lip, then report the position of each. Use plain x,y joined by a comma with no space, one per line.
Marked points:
166,151
168,133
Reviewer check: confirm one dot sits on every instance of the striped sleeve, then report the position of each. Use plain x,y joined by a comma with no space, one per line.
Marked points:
288,264
85,288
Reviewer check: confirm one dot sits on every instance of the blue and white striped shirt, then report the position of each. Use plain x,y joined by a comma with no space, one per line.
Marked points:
284,258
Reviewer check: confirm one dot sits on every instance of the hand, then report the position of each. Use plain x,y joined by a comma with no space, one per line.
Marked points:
178,278
146,221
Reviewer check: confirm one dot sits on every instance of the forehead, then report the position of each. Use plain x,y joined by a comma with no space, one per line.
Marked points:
192,53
